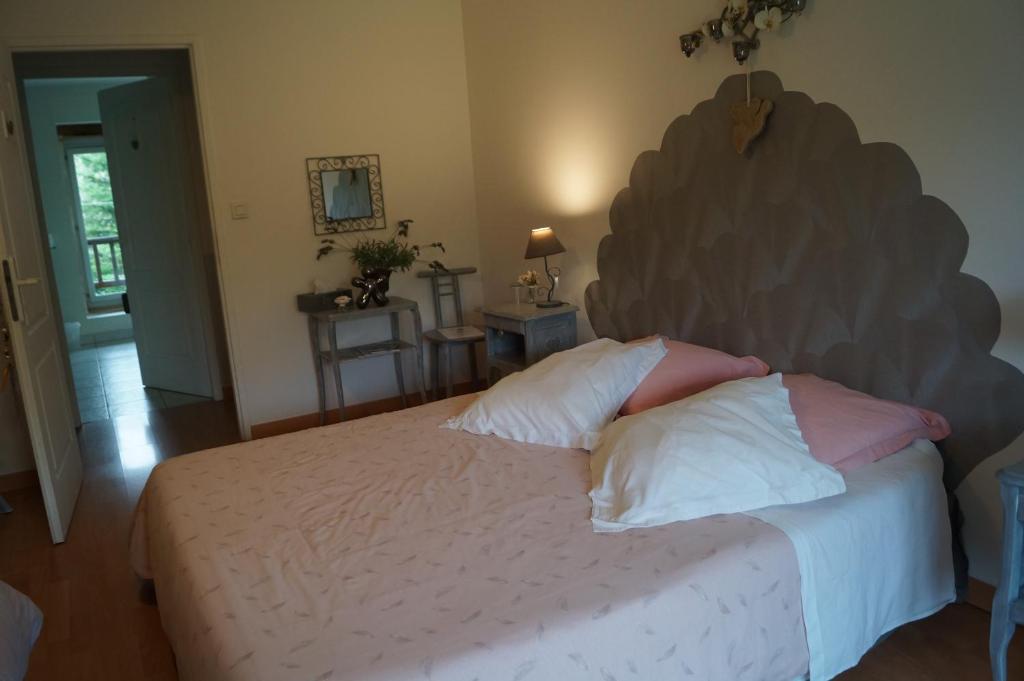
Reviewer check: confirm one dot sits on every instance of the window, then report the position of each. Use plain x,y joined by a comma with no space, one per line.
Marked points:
96,222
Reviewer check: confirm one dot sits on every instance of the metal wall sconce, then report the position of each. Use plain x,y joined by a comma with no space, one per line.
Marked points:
742,20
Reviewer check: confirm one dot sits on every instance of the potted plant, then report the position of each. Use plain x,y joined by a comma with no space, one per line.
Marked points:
378,258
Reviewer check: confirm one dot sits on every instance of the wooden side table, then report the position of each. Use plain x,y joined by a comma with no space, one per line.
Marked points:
394,346
1008,605
519,335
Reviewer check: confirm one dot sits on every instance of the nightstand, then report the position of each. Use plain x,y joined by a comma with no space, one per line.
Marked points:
523,334
1008,605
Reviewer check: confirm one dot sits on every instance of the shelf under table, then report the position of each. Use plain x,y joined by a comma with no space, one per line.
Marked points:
387,347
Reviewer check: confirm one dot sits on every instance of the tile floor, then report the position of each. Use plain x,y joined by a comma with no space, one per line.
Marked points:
108,384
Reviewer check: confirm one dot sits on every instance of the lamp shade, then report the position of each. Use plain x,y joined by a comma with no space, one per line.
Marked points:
543,242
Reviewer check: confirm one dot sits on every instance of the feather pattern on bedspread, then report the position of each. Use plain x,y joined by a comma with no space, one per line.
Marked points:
387,549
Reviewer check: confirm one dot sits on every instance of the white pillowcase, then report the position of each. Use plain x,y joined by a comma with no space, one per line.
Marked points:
733,448
565,399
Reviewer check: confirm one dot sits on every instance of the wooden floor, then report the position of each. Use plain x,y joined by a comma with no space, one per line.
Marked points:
100,620
102,624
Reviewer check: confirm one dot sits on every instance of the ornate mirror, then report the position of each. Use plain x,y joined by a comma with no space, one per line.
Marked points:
345,193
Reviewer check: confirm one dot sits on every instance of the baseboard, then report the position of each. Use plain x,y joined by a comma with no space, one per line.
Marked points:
352,411
980,594
20,480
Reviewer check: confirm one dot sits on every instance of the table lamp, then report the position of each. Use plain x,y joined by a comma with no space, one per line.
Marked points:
543,243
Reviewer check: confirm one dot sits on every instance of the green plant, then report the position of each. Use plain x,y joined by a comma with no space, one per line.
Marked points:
394,253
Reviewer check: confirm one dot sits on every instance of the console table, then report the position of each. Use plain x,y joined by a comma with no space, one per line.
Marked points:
394,346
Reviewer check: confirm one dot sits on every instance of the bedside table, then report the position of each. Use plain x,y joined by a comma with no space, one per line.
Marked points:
1008,605
523,334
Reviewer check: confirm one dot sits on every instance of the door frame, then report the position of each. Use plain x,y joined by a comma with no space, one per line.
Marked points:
200,93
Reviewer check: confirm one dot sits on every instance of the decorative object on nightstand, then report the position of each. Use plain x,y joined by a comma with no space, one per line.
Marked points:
528,280
335,355
543,243
445,284
521,335
1008,604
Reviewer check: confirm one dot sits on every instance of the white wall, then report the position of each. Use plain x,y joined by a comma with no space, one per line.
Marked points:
564,95
50,103
280,82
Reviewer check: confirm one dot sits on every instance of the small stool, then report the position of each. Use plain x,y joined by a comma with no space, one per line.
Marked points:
1008,605
445,284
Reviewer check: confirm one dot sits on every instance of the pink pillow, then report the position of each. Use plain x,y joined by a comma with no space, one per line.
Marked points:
848,429
686,370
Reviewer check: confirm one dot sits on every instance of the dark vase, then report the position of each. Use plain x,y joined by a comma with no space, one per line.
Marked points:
373,283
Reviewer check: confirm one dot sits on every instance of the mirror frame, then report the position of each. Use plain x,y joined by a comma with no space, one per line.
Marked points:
325,225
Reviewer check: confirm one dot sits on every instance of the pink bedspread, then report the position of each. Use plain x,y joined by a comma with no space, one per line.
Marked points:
388,549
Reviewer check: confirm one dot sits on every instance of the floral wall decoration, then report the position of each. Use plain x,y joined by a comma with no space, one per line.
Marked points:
741,22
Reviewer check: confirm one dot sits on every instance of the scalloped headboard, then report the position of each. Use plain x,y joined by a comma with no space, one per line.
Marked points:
816,253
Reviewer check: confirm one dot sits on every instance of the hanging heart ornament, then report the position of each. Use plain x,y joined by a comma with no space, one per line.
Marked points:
748,121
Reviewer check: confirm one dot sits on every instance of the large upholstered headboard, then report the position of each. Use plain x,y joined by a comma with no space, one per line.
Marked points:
816,253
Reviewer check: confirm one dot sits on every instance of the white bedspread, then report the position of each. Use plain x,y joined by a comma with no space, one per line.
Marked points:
872,559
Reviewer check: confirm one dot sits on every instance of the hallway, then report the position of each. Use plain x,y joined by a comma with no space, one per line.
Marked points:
108,384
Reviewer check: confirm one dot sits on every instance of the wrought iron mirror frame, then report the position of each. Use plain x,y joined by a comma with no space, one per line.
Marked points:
322,224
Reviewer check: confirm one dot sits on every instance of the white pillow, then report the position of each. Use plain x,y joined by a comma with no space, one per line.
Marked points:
565,399
733,448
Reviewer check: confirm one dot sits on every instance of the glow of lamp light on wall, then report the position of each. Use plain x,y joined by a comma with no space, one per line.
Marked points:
577,174
575,192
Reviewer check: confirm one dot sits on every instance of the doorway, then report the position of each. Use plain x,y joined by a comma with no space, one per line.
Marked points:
113,145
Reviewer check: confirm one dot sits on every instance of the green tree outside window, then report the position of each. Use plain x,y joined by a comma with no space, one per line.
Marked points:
97,202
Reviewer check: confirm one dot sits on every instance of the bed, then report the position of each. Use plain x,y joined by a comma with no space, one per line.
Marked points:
389,549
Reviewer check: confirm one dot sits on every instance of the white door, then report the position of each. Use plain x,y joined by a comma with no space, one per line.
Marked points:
156,220
29,308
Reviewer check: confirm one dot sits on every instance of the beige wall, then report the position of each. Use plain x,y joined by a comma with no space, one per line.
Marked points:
564,95
279,82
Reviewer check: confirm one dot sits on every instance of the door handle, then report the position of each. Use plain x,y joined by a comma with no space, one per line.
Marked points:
9,286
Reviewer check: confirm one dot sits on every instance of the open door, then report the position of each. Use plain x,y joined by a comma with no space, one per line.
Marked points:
29,307
144,134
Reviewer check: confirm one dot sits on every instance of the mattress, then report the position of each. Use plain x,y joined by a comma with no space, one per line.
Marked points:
389,549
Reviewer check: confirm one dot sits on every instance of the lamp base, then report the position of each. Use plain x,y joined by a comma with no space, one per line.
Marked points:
550,303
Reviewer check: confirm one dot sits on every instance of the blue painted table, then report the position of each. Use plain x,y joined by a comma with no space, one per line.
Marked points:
1008,605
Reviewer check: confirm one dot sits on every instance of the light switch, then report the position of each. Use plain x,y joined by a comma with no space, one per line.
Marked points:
239,211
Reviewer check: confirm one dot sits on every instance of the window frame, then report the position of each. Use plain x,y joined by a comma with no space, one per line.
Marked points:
95,301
